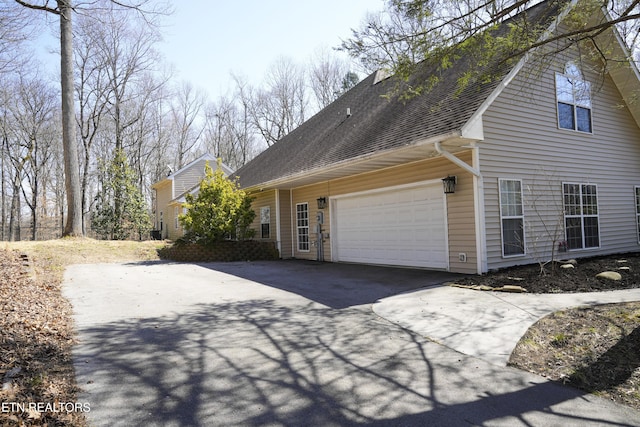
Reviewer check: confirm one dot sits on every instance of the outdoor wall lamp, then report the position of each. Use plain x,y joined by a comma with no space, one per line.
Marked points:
449,184
322,202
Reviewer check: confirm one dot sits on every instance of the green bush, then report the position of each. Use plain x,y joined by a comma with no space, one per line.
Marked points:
219,211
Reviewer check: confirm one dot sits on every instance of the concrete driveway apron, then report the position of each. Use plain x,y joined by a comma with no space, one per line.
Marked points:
287,344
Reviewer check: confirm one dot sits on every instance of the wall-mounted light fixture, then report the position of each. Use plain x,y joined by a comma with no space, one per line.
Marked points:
322,202
449,184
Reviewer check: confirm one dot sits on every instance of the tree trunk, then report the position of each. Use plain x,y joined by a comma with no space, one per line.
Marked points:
73,226
14,214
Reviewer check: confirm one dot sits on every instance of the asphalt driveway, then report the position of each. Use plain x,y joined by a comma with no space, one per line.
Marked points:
287,343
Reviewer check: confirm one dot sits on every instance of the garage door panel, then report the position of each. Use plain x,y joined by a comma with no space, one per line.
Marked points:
398,227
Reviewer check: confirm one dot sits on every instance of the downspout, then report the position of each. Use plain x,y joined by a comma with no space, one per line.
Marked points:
478,196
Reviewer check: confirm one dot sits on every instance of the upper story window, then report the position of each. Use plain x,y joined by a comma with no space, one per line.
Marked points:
573,94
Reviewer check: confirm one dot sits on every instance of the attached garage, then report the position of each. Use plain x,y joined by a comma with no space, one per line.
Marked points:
404,226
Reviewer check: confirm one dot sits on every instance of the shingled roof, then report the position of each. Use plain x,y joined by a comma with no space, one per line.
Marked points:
364,120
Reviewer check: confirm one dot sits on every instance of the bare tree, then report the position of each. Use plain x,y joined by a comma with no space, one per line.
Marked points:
64,10
408,32
279,107
34,107
14,31
187,117
326,77
93,89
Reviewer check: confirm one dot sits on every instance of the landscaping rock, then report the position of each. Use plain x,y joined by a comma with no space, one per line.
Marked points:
609,275
505,288
512,288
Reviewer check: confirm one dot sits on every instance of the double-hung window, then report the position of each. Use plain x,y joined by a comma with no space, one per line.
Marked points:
573,94
581,215
265,222
302,226
511,217
638,211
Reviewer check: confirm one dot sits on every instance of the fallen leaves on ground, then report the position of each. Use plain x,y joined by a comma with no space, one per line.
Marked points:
595,349
36,336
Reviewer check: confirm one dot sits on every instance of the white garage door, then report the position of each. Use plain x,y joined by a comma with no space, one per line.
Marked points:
397,227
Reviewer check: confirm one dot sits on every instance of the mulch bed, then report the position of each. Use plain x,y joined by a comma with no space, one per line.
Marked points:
595,349
37,385
555,279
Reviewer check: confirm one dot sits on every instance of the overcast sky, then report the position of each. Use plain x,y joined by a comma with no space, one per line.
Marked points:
206,40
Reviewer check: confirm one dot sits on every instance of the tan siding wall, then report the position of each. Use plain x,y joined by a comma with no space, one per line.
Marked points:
190,177
174,227
264,199
522,141
310,194
163,197
461,224
286,234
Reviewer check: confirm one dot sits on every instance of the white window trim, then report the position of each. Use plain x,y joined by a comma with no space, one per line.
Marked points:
267,210
299,228
574,104
524,243
636,193
582,216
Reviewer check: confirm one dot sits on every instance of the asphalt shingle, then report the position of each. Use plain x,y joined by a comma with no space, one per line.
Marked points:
379,122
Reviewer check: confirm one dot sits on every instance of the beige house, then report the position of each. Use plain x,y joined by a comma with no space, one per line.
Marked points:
545,160
170,195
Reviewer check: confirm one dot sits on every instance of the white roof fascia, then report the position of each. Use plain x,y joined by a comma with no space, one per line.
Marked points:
275,183
205,156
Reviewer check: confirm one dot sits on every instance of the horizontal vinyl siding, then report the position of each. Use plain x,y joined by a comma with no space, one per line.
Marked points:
163,197
461,223
310,194
523,141
189,177
260,200
286,236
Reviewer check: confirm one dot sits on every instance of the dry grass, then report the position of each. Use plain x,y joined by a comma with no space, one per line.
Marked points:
36,327
67,251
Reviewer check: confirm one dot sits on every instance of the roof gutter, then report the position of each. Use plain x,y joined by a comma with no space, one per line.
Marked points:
455,160
354,161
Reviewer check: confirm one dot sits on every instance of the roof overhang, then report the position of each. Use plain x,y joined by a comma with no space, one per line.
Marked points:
622,69
420,150
162,183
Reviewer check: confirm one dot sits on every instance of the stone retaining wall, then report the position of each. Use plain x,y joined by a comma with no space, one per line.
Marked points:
244,250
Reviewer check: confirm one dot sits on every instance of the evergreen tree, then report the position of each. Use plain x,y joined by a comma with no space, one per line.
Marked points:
121,209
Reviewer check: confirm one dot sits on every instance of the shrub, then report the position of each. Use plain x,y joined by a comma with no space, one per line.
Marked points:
220,210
